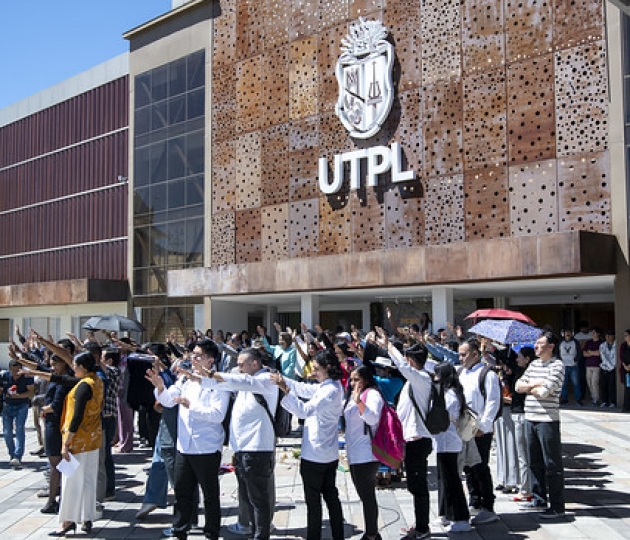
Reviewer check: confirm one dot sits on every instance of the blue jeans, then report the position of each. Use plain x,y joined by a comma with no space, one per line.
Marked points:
13,422
545,462
156,488
572,375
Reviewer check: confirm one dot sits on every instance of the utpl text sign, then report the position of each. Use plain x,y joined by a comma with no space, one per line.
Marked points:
379,160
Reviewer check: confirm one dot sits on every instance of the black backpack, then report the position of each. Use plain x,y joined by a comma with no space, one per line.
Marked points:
282,419
227,419
438,420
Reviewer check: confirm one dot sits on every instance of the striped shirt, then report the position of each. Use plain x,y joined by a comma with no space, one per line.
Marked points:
547,407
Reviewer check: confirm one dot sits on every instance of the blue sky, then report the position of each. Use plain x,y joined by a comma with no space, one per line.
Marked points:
43,42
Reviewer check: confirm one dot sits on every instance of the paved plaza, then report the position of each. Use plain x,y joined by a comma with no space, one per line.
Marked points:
597,467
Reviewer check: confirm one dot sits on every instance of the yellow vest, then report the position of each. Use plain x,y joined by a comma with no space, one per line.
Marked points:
89,435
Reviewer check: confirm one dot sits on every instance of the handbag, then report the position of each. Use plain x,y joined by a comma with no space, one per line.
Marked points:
467,424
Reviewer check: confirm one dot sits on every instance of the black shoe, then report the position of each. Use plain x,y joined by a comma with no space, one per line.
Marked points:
72,527
87,527
50,508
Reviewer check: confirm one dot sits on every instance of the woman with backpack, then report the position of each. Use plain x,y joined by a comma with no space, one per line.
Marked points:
452,501
362,413
320,449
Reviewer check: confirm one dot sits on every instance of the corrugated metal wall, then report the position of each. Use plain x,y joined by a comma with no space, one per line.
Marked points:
49,156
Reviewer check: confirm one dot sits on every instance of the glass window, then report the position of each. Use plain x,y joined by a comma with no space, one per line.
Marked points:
142,90
194,191
196,103
158,197
142,166
194,144
142,200
196,71
158,162
177,77
176,158
5,330
158,116
142,121
142,247
176,110
159,83
194,240
177,194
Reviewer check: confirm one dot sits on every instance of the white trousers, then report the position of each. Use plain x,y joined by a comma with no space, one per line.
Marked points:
78,493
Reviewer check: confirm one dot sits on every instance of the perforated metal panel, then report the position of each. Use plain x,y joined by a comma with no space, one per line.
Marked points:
248,229
249,28
329,45
224,176
581,99
486,203
304,18
577,22
275,165
531,111
332,12
248,171
275,232
442,119
224,41
333,138
409,129
303,78
224,103
275,21
444,210
533,198
584,193
248,94
404,217
368,221
304,227
223,238
360,8
441,35
275,87
483,40
485,140
303,159
528,28
403,20
334,224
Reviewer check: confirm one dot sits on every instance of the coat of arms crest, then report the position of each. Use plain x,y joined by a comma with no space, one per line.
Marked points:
364,74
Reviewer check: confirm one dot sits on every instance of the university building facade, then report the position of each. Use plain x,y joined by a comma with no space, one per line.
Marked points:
318,160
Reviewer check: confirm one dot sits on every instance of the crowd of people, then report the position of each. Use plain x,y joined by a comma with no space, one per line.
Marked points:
189,400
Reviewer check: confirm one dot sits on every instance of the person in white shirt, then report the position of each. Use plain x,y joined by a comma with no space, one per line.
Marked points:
448,445
478,477
413,405
608,367
320,453
252,435
362,413
200,438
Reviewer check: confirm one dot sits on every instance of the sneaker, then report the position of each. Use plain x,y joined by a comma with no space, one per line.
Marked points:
535,504
145,510
611,405
483,517
240,530
550,513
441,522
579,403
603,405
15,462
523,498
423,535
50,508
39,452
460,527
510,490
499,487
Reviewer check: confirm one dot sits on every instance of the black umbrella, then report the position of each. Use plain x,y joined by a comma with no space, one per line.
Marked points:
113,323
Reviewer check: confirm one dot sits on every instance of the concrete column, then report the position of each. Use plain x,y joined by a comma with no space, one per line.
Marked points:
309,308
442,306
271,316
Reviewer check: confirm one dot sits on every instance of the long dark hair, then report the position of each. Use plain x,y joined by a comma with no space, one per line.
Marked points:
329,361
446,375
366,374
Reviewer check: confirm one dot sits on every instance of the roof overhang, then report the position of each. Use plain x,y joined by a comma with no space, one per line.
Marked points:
479,268
73,291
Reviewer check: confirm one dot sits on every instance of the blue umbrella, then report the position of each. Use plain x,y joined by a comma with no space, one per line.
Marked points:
507,331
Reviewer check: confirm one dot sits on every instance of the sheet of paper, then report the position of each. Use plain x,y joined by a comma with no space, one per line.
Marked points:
68,468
